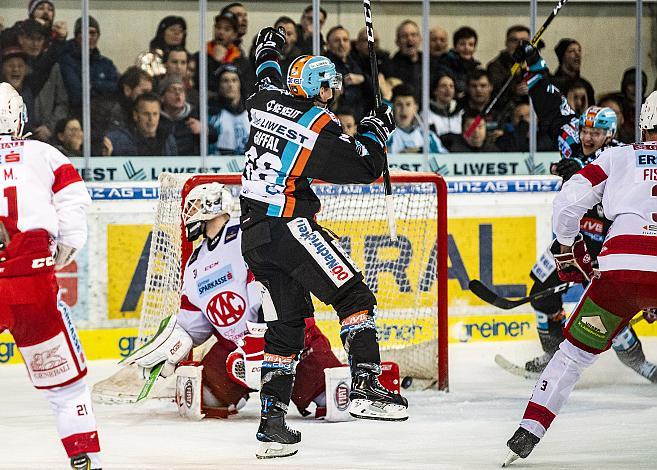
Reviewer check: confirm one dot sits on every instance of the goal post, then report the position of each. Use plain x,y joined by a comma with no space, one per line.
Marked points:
408,277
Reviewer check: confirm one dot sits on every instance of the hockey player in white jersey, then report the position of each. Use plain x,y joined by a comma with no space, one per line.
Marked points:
220,297
42,224
624,179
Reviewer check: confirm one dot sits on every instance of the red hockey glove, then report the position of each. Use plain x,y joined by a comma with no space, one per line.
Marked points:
650,314
576,265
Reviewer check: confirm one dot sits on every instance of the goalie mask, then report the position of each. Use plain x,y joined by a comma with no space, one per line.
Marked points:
203,203
13,114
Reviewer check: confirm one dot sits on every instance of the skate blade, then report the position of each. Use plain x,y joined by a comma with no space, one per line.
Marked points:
510,458
367,409
272,450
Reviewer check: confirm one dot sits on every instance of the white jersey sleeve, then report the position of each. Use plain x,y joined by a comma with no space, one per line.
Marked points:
219,292
580,193
40,189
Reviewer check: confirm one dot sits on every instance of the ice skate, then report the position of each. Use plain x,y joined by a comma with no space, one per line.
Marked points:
276,438
521,445
648,370
538,364
81,462
370,400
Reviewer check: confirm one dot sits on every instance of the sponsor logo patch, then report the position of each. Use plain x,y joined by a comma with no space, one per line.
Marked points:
226,309
231,233
646,159
189,393
215,280
50,363
322,251
342,396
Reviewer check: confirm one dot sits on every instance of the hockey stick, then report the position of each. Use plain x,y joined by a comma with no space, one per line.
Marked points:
150,382
555,11
390,206
487,295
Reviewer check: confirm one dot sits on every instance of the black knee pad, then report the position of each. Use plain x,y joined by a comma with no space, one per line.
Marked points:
285,337
356,298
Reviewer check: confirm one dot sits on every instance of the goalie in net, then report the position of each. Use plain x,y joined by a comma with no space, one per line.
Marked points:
220,297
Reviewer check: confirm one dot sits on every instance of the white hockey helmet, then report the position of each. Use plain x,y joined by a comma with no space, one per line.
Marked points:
13,115
205,202
648,119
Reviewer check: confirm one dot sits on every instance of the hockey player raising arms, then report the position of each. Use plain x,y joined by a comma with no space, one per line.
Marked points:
216,276
294,139
625,180
42,225
580,139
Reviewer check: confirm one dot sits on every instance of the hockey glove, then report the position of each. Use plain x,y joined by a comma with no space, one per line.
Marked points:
63,255
243,365
269,42
576,265
650,314
380,121
525,52
566,168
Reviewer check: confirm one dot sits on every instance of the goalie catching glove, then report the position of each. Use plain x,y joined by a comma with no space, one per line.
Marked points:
171,344
574,265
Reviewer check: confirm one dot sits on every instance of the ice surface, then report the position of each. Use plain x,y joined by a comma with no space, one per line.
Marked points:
610,422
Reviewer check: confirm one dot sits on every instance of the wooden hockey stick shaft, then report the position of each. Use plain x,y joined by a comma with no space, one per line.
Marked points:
555,11
387,185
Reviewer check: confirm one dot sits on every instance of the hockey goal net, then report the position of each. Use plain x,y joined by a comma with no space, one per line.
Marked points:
408,277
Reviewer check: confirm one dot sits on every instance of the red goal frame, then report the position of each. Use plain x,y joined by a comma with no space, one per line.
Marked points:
441,249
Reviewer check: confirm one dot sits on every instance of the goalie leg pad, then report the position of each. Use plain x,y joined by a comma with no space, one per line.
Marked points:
338,385
315,358
190,393
215,376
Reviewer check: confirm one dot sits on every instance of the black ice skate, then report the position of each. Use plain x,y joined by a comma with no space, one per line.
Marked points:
521,444
81,462
538,364
370,400
276,438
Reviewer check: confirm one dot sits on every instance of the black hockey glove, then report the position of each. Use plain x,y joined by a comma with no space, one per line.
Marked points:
525,52
269,42
380,121
566,168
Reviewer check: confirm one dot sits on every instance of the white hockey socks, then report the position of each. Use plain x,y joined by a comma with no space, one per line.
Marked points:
554,386
76,424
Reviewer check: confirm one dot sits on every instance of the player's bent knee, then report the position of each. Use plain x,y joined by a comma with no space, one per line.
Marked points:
576,354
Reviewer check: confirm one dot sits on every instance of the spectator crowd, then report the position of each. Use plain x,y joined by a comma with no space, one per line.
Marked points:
152,108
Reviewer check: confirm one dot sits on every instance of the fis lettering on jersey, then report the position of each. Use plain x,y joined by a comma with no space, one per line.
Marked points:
231,233
321,251
286,111
215,280
267,141
283,128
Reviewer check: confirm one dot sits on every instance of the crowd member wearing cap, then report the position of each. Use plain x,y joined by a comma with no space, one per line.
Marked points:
569,54
180,118
43,11
223,50
14,70
103,73
50,96
228,116
144,136
242,17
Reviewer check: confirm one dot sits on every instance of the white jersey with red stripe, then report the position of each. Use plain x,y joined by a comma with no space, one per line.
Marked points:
625,180
219,292
40,189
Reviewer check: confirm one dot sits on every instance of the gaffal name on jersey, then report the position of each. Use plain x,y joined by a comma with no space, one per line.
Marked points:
219,294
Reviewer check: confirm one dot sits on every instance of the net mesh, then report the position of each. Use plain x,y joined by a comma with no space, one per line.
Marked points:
401,274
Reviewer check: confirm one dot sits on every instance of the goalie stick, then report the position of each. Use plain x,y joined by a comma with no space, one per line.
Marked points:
487,295
555,11
390,206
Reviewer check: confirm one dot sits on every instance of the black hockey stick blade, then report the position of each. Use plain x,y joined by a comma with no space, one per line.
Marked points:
487,295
